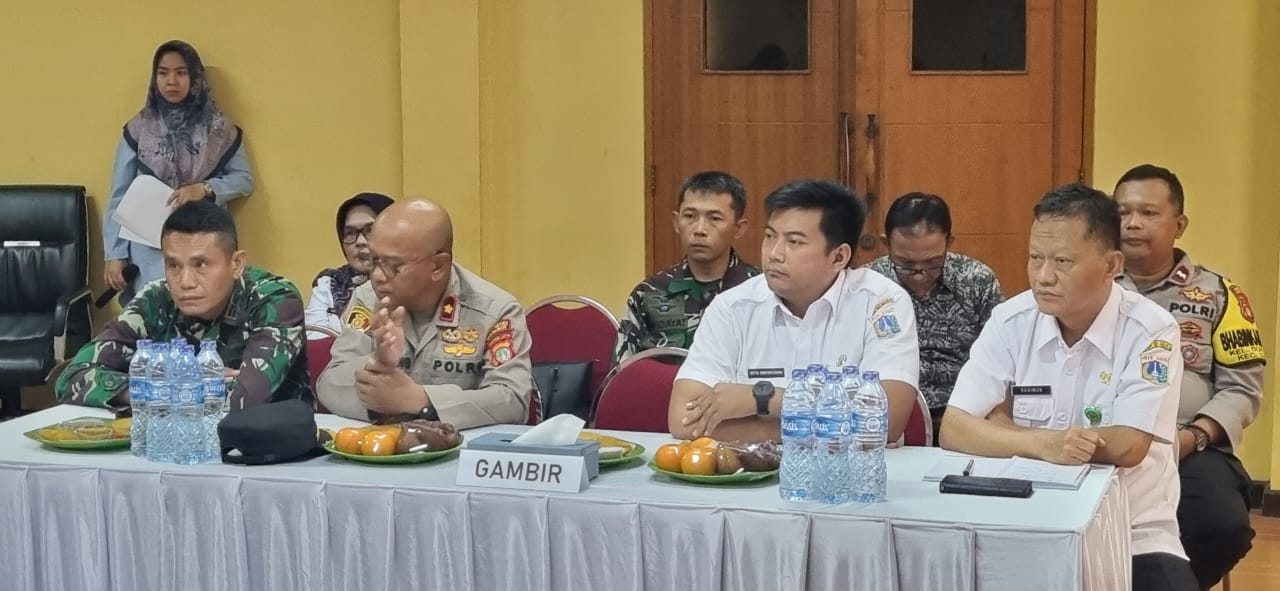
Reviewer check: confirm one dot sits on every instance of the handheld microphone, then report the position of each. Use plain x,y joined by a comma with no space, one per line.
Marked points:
130,273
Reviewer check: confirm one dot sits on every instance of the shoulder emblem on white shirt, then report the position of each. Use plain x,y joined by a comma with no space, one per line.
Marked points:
1155,361
884,320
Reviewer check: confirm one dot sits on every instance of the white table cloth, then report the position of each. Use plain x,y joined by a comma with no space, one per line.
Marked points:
112,521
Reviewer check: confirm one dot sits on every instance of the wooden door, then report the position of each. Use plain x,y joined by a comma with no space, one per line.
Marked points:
989,139
765,126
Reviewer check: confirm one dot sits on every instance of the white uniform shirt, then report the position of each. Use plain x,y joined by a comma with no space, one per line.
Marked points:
748,335
1123,366
317,312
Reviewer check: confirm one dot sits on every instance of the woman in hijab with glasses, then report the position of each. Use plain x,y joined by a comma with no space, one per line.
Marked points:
331,291
181,138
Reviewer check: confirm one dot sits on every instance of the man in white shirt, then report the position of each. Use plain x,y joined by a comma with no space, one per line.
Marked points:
1078,369
807,307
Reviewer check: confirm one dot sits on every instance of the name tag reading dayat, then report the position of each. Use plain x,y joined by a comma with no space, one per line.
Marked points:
524,471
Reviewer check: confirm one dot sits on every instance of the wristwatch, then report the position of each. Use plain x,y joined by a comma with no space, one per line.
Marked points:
1202,437
208,190
762,391
429,413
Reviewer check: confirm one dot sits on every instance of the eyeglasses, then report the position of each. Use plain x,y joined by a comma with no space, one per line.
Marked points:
391,269
907,272
351,235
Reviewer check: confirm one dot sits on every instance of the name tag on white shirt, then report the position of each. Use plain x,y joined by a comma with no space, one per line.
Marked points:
523,471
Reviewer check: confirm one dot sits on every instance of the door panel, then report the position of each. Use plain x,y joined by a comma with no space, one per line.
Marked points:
989,142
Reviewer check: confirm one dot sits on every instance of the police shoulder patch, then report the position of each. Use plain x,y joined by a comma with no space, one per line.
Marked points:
359,318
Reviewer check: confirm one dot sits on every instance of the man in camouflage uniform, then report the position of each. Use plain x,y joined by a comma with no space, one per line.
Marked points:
1223,362
208,294
425,338
664,310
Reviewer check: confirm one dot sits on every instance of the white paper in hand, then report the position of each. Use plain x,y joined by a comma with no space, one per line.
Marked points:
557,430
143,210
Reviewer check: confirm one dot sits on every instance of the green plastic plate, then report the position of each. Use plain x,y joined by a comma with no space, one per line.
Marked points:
739,478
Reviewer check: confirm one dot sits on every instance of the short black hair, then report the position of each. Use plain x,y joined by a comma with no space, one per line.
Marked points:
714,182
1146,172
1078,200
842,212
913,209
203,217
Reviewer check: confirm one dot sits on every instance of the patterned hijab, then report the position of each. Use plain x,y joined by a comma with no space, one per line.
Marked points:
187,142
344,280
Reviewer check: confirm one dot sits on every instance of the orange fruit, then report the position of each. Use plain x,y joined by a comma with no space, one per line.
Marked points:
704,443
699,461
668,457
348,440
380,443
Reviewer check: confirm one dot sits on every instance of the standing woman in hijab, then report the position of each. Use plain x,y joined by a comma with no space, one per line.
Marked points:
182,138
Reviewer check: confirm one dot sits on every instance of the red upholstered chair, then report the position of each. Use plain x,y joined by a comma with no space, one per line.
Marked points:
636,394
919,431
573,328
318,356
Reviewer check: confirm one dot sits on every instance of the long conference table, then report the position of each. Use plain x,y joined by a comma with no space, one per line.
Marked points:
89,521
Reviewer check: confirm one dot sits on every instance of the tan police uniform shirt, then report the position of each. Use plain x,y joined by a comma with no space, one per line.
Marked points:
471,355
1221,346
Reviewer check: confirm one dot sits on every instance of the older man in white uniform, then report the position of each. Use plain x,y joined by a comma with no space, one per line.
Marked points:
1081,370
807,307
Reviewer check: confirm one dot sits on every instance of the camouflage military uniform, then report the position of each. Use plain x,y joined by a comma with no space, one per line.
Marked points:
471,355
260,334
665,309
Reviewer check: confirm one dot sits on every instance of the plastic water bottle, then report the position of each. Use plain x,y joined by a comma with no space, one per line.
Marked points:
188,408
797,438
815,377
832,477
160,420
215,395
850,381
871,425
139,394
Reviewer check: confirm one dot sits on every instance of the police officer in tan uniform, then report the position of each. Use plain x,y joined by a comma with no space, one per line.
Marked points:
1223,357
425,338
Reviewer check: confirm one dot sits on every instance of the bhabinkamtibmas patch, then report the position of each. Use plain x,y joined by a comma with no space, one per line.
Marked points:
1236,339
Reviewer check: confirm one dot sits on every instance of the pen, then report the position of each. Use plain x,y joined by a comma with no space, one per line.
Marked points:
968,469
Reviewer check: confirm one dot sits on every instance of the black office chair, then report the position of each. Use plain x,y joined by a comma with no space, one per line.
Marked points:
44,295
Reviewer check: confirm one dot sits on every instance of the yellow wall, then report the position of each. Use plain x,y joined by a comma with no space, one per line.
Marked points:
1182,84
562,102
311,85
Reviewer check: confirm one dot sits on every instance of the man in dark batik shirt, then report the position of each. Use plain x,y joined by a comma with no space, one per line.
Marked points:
664,310
953,294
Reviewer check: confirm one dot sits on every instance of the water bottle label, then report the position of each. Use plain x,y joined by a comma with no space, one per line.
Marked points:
828,427
869,423
138,390
793,426
187,394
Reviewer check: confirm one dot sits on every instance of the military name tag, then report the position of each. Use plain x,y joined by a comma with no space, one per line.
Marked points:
1032,391
522,471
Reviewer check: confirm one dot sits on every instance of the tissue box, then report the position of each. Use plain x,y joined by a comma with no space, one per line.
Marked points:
589,450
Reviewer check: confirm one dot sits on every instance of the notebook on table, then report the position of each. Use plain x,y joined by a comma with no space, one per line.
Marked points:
1044,475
